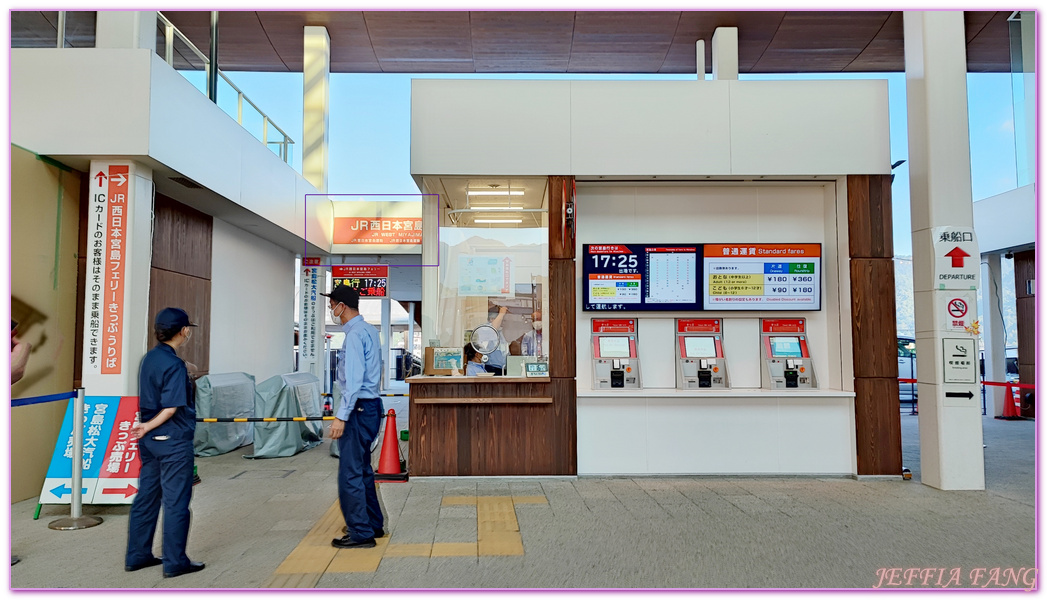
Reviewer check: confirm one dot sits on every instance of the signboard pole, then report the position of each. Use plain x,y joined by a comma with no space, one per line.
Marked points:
76,520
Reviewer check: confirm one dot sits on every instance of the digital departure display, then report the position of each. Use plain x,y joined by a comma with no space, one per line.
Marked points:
696,277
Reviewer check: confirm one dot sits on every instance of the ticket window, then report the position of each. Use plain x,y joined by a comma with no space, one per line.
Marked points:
616,364
787,359
700,363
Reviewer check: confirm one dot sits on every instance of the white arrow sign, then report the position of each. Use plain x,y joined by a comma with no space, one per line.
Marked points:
120,179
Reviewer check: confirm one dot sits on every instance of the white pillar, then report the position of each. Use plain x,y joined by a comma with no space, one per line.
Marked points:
951,454
316,97
386,343
994,334
725,53
117,326
699,52
431,215
126,29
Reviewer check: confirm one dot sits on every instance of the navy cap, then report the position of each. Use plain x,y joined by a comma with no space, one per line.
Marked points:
172,318
344,294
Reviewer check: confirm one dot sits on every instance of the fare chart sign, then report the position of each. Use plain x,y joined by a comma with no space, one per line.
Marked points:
694,277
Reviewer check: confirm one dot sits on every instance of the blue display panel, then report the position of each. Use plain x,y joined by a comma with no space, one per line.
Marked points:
625,277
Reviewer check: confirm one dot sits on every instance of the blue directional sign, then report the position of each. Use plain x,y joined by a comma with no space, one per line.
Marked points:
99,416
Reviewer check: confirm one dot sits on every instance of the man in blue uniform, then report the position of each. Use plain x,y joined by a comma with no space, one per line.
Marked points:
166,403
357,417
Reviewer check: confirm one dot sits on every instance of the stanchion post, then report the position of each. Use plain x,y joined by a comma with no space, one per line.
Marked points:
76,520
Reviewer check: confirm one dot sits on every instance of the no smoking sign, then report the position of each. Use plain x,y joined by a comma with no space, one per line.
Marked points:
959,311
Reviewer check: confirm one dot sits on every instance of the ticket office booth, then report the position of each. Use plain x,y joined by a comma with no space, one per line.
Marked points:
787,363
700,362
616,363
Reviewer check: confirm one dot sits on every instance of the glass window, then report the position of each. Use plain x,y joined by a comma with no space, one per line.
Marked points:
906,348
494,265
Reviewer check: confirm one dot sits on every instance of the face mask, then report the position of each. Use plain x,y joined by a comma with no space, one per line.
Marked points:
537,325
188,334
337,317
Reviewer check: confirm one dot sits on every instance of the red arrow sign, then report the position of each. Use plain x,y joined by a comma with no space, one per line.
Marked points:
957,255
101,178
128,491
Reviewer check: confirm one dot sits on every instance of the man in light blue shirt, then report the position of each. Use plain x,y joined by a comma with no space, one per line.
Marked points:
357,418
531,344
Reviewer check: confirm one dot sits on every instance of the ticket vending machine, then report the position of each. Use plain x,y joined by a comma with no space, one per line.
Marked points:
700,363
787,360
615,362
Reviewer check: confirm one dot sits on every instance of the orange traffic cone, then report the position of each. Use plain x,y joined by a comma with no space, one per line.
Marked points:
1010,411
389,461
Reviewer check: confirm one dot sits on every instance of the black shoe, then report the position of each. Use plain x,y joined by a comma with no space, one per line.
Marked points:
152,562
377,532
348,542
192,568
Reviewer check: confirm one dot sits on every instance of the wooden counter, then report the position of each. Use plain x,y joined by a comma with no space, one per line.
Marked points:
463,426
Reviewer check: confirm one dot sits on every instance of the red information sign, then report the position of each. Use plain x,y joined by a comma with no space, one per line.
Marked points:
614,326
311,261
372,281
782,325
118,477
698,325
115,254
377,230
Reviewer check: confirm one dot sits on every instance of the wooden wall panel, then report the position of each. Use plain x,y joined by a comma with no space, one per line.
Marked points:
560,245
193,295
869,216
492,439
81,284
560,318
879,431
873,325
181,238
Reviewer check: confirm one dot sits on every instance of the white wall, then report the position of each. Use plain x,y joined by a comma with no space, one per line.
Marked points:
1006,220
720,213
129,103
252,303
629,128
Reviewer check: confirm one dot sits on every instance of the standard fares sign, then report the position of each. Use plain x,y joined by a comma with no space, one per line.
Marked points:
110,461
694,277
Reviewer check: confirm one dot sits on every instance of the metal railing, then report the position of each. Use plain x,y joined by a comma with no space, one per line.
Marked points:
170,33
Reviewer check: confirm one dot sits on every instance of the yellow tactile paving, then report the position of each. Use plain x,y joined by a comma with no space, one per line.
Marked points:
358,560
314,552
497,531
497,534
453,549
399,550
455,500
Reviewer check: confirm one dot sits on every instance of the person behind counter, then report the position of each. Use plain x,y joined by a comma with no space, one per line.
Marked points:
473,363
496,359
531,344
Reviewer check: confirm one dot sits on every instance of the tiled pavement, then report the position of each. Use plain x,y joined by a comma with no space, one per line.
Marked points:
269,523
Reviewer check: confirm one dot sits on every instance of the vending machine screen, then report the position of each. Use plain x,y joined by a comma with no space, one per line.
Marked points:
614,346
699,347
786,347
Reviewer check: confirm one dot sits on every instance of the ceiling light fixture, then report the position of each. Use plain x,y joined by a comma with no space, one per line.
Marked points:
482,207
497,220
494,193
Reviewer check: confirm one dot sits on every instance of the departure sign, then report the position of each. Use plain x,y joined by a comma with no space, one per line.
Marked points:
642,277
371,281
762,277
694,277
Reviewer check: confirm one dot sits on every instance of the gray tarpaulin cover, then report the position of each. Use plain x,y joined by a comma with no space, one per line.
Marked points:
223,395
290,395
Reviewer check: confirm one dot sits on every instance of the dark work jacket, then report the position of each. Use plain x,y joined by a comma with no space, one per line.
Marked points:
163,382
